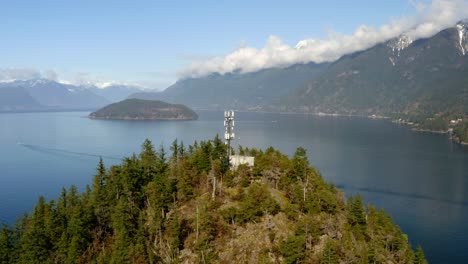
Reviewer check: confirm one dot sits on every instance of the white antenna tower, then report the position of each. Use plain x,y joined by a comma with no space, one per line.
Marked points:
229,134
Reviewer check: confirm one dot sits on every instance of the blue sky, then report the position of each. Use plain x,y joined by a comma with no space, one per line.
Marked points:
148,42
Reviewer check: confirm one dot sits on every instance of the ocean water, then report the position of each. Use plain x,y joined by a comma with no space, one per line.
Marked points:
420,179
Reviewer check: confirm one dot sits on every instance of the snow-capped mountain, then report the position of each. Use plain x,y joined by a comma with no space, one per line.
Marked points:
402,74
397,45
52,95
400,43
425,76
462,29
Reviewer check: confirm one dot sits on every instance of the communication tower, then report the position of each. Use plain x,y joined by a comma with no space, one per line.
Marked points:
229,134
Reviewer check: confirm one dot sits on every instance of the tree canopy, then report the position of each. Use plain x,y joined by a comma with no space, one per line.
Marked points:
157,209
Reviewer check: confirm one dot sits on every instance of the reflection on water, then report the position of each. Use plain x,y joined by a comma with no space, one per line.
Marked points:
420,179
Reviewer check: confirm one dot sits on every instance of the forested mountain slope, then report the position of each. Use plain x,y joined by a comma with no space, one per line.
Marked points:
426,76
155,208
237,90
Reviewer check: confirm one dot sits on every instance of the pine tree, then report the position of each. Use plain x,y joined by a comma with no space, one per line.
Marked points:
419,257
99,198
300,163
35,243
6,245
371,258
161,161
123,224
181,150
293,249
149,162
356,216
219,148
329,255
175,150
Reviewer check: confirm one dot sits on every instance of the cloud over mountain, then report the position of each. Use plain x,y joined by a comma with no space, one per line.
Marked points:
430,18
8,74
78,78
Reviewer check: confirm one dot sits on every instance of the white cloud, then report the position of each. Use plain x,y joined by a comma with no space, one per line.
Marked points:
11,74
79,78
429,19
50,75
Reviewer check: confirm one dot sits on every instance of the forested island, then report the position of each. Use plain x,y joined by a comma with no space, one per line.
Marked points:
159,207
138,109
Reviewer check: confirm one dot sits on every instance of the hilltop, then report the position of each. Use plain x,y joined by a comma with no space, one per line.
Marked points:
152,208
137,109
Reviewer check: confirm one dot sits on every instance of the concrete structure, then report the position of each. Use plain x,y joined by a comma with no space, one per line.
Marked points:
237,160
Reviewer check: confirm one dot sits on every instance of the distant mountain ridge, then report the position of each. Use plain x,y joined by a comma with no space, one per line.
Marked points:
237,90
17,99
423,76
116,92
401,75
48,95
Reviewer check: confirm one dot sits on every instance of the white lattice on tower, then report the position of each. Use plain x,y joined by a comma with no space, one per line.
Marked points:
229,133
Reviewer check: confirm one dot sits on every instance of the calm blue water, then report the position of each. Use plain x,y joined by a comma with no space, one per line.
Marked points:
420,179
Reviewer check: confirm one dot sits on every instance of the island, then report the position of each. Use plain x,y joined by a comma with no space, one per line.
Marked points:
138,109
188,205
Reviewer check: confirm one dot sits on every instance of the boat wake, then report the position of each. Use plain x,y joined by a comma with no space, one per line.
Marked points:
62,152
401,194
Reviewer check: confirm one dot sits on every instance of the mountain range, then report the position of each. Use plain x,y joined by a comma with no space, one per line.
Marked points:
237,90
401,75
49,95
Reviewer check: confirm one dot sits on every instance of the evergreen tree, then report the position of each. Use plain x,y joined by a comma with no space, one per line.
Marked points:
186,180
149,162
371,258
293,249
356,215
35,242
133,178
419,257
181,150
175,150
300,163
124,226
161,161
219,148
6,245
99,198
146,210
329,255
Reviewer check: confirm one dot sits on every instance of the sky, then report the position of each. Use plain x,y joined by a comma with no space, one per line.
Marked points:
154,43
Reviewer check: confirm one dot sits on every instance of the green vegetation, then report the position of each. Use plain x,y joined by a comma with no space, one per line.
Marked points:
136,109
457,124
461,132
159,207
426,78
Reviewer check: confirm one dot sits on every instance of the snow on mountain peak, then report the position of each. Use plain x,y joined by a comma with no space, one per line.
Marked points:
462,34
397,45
40,81
400,43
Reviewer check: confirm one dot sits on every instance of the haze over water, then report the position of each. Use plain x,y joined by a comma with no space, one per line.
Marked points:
420,179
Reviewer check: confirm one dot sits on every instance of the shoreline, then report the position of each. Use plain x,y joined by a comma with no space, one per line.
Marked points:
141,119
